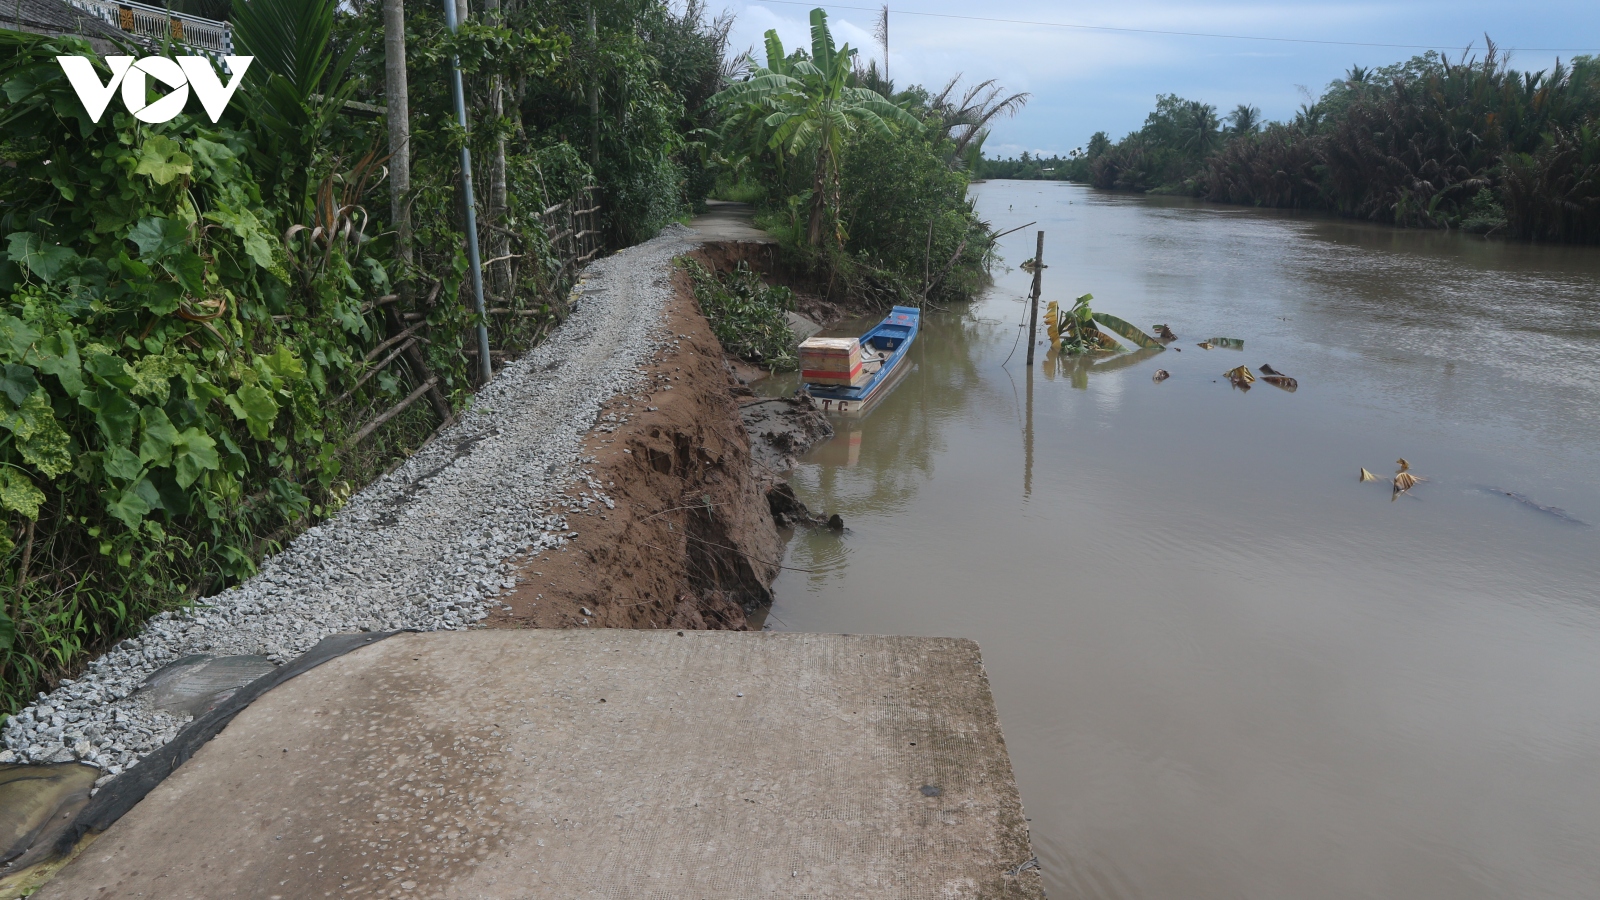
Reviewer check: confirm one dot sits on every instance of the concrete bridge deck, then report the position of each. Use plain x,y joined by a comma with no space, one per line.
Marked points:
592,763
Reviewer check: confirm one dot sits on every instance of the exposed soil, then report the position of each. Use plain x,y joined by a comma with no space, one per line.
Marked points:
691,541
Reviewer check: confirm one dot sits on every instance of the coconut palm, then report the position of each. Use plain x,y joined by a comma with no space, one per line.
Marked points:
807,107
1245,119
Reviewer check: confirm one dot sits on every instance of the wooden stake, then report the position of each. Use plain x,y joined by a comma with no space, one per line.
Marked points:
1033,313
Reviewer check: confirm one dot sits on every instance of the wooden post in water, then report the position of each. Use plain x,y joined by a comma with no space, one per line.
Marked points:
1033,313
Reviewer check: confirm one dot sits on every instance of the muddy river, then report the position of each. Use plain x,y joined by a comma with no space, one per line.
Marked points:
1226,668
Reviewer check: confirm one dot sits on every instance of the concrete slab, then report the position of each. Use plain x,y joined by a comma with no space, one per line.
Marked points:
593,763
728,221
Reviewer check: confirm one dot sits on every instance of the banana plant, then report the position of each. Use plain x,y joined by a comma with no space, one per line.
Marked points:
1078,330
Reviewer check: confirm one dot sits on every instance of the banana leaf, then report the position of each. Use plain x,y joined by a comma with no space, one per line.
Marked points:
1127,332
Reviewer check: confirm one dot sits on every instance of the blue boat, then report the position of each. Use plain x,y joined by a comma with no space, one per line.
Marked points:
883,347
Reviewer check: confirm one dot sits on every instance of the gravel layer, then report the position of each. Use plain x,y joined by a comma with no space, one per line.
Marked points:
427,547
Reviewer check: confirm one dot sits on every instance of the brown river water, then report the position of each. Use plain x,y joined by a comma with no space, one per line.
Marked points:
1226,668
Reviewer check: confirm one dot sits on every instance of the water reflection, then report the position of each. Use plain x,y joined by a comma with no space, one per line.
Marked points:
1225,667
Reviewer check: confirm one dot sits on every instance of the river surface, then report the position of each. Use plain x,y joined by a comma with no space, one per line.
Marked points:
1225,667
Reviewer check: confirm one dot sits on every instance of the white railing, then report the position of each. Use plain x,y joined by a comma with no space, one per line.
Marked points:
156,24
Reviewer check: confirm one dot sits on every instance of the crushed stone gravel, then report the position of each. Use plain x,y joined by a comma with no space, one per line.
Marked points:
427,547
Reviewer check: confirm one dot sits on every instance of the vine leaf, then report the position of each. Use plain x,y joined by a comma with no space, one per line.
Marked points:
192,454
17,383
254,404
155,447
18,493
133,504
123,464
113,412
43,260
39,437
58,356
163,159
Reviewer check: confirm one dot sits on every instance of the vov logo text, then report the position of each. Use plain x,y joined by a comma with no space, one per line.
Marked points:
180,74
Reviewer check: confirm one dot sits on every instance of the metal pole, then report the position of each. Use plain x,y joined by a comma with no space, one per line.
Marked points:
485,367
1033,313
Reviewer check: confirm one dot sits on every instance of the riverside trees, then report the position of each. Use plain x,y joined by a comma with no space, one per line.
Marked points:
864,184
1429,143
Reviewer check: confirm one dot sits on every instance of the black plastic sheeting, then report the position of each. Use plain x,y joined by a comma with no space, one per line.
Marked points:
126,790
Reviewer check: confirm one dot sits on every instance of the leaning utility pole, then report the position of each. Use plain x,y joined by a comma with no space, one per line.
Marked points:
1033,312
485,366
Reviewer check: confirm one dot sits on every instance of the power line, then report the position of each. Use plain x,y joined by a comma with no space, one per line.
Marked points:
1198,34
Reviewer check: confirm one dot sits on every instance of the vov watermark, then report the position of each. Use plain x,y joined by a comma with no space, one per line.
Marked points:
180,74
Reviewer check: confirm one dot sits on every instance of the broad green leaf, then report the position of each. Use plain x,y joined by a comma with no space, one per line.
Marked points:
130,506
267,253
123,464
39,437
58,355
1127,332
254,404
16,338
285,364
163,159
190,270
113,412
43,260
155,446
194,453
17,383
19,494
109,369
159,238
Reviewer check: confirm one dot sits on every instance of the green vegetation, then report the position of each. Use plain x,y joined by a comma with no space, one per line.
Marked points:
864,185
746,314
1428,143
196,317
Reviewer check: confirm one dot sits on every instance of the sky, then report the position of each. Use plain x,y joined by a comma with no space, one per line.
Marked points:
1083,81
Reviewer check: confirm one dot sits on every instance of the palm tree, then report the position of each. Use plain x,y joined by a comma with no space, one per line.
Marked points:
1198,127
809,106
967,120
1245,119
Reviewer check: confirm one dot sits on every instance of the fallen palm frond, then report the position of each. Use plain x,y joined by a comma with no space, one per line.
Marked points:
1241,376
1403,482
1367,476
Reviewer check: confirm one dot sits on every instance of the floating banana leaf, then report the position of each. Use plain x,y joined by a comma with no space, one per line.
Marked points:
1128,332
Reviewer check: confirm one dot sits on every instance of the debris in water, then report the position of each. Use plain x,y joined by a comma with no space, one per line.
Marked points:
1403,481
1160,376
1241,377
1282,381
1367,476
1269,370
1226,343
1163,332
1205,345
836,522
1404,466
1527,501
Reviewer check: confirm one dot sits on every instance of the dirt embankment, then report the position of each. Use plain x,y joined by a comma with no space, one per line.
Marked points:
689,539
